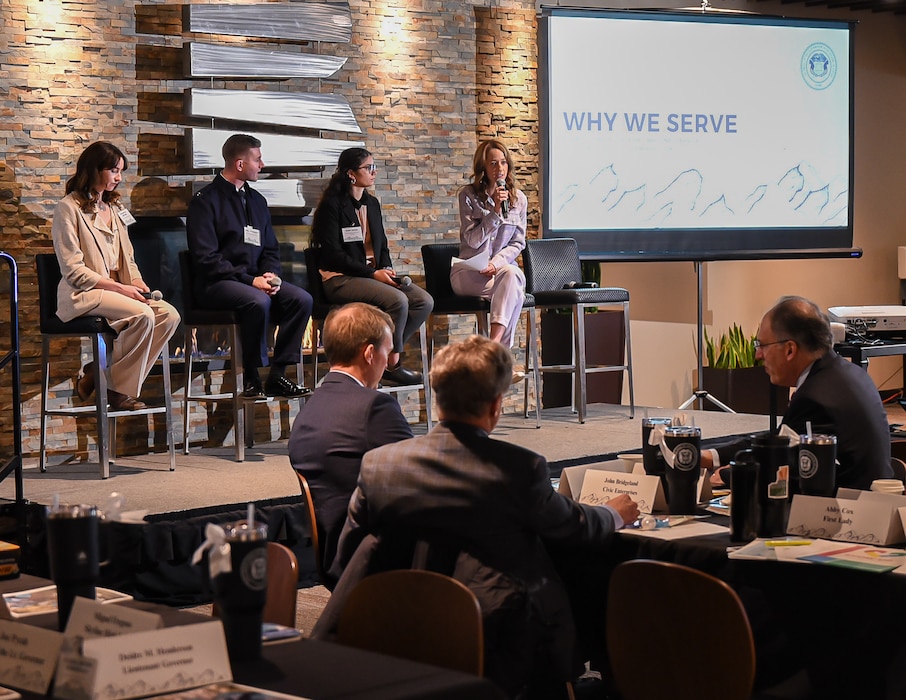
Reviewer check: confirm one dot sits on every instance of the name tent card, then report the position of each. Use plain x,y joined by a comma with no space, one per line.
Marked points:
90,619
867,517
598,487
28,656
150,663
571,478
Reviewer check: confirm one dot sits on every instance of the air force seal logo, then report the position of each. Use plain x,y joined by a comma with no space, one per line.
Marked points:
819,66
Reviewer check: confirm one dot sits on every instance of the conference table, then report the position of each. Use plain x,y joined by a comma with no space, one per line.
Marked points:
314,669
844,627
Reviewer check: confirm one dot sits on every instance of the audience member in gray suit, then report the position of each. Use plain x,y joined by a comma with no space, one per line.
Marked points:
345,416
495,502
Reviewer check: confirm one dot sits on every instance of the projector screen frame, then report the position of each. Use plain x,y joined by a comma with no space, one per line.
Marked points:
689,244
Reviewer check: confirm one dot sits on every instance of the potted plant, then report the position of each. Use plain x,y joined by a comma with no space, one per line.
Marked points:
735,377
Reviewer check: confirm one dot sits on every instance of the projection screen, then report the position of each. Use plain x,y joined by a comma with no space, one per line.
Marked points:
696,135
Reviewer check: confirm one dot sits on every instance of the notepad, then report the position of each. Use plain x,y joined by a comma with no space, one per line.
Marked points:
477,263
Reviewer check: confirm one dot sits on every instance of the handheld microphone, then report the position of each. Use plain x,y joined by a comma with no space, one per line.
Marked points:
274,281
404,282
155,295
505,204
580,285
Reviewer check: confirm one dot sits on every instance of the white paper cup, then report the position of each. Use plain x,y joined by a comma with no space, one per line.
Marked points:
887,485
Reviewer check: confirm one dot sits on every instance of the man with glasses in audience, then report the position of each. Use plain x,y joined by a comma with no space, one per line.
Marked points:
835,395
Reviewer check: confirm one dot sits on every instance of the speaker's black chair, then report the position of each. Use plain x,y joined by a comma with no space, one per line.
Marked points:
98,331
551,264
319,312
195,317
438,259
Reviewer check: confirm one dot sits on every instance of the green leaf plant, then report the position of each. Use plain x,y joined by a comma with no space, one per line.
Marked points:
731,350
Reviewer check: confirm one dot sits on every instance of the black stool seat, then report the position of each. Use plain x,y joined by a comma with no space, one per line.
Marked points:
98,331
569,297
552,268
438,260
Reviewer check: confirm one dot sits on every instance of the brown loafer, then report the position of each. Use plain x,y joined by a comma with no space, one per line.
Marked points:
84,384
123,402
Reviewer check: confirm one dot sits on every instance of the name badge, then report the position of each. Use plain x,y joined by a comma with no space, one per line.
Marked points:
251,235
125,216
353,234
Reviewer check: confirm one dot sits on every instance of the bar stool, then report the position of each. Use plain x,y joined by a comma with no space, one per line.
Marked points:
551,266
194,317
438,259
319,313
98,330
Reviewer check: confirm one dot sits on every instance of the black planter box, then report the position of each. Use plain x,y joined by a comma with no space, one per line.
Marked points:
745,390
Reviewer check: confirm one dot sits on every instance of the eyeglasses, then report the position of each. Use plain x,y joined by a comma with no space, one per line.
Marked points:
758,344
370,168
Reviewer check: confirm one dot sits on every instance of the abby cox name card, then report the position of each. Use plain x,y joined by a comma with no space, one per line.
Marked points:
867,517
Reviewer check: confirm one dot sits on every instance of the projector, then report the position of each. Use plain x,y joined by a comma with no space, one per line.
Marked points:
870,319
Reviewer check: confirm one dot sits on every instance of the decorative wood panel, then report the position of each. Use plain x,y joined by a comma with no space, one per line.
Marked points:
281,192
222,61
277,150
300,109
301,21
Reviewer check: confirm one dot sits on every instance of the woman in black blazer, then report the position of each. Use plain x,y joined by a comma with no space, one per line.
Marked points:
354,260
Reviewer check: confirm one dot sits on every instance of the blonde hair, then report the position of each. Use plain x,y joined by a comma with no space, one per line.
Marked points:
467,377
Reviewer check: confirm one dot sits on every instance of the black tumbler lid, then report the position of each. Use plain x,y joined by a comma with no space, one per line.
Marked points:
768,440
744,458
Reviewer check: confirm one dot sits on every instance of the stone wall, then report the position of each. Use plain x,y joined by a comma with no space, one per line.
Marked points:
426,79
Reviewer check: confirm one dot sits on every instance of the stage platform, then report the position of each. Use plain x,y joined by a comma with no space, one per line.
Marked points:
151,561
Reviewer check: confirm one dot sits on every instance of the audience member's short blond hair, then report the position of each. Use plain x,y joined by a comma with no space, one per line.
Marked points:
352,327
467,377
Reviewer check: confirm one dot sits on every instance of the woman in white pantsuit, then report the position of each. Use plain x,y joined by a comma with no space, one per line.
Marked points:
100,277
492,220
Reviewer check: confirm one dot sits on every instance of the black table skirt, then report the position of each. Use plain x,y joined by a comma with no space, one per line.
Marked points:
844,627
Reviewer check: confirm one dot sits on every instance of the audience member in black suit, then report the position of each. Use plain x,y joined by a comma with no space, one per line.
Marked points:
524,549
345,416
236,261
836,396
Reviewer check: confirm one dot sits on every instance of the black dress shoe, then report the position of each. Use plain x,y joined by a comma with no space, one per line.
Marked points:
281,386
252,390
402,376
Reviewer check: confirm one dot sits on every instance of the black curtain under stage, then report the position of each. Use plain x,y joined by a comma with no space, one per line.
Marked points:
152,561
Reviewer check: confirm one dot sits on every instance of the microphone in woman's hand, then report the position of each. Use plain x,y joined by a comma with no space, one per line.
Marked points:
505,204
155,295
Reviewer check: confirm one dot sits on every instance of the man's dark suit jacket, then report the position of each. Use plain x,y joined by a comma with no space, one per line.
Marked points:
338,424
495,500
839,398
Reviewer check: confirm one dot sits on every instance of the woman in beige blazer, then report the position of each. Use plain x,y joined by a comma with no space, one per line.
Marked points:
100,277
